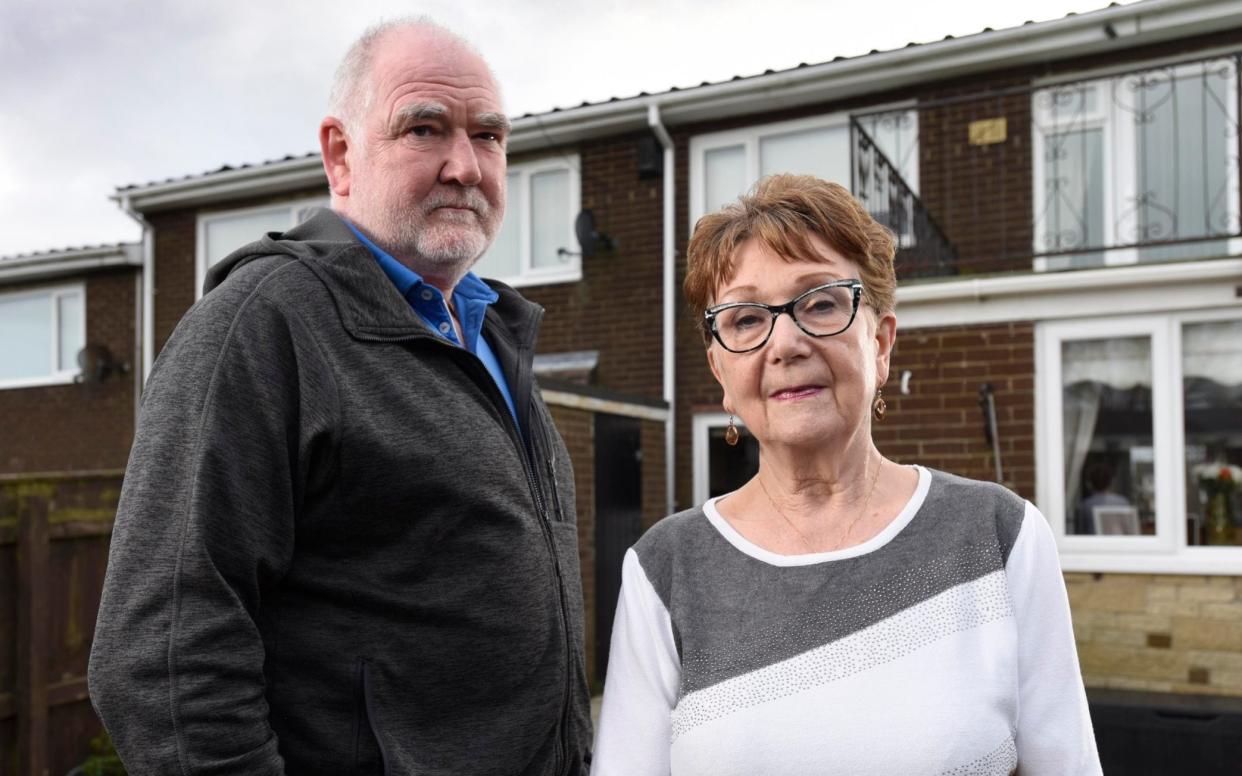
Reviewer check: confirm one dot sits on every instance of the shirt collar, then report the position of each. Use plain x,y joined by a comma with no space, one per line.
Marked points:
471,296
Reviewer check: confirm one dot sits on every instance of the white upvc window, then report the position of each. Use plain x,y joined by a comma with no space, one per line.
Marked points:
536,243
1136,158
220,233
41,333
724,165
1139,441
720,468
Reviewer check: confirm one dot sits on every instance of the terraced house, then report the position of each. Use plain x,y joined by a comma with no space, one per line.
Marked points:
1066,196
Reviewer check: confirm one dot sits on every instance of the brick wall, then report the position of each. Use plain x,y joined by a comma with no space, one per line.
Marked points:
175,237
940,424
617,307
1170,633
78,427
980,195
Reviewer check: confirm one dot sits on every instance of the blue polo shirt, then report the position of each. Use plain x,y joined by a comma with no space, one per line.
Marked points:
471,298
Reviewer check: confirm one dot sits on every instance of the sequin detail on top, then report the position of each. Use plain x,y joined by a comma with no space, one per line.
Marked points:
832,617
1001,761
957,609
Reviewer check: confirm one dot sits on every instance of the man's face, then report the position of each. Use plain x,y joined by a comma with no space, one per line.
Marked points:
427,181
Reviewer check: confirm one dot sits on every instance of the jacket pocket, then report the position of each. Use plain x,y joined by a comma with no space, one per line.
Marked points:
370,751
555,469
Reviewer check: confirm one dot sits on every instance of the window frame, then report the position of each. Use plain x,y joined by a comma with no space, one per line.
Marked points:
1167,551
702,423
1120,141
749,138
528,274
54,295
204,219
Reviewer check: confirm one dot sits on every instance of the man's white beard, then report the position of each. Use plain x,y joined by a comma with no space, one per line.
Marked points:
449,243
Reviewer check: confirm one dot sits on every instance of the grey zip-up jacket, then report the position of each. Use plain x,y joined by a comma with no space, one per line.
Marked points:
334,552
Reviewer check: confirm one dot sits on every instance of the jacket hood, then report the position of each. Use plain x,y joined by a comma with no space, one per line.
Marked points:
322,235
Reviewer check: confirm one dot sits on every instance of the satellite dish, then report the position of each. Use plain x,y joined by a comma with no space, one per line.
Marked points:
589,237
96,364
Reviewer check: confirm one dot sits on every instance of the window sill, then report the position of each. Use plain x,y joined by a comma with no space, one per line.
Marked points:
39,382
551,278
1192,560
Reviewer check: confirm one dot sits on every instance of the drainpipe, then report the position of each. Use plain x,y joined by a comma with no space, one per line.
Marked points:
670,339
148,290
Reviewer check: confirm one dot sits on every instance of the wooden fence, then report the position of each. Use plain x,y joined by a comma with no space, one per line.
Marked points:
54,535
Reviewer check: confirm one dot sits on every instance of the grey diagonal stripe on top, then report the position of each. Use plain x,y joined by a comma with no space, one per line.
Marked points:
733,614
1001,761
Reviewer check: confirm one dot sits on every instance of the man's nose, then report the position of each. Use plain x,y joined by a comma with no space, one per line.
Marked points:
461,165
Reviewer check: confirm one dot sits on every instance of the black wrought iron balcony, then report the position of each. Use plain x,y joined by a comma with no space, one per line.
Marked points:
1121,167
877,182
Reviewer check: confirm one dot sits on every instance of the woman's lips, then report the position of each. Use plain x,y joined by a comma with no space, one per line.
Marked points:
797,392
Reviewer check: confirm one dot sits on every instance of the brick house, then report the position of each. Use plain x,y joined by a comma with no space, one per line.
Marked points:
1066,197
65,432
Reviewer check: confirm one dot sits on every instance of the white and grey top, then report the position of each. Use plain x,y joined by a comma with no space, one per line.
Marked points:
943,645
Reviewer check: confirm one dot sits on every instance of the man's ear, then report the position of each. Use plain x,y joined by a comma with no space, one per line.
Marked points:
334,146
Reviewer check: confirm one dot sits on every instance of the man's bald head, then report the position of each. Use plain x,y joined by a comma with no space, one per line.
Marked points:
352,89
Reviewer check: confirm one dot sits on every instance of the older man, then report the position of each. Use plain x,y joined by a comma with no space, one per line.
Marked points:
346,541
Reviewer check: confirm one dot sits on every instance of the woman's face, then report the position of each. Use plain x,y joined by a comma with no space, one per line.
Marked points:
799,390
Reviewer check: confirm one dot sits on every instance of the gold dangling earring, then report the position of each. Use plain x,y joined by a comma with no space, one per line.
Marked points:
878,407
732,434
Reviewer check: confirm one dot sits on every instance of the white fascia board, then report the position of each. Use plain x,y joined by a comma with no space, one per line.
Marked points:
72,262
275,178
1050,296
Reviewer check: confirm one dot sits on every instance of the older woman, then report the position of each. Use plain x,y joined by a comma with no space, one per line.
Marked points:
840,612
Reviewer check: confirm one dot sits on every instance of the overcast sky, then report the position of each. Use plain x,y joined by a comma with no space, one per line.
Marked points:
97,94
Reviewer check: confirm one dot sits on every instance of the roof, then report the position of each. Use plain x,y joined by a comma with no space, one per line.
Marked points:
61,262
1073,35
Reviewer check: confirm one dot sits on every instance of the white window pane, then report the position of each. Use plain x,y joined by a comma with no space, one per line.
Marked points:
1212,392
26,337
1073,207
1184,141
823,152
504,258
70,312
724,176
1110,480
226,234
549,216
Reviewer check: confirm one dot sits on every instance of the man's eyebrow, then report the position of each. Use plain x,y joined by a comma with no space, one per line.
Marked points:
497,122
419,111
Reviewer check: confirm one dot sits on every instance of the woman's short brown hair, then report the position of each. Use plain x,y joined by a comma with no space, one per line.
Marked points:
781,212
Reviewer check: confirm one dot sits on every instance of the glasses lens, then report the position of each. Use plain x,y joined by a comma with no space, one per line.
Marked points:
827,311
742,328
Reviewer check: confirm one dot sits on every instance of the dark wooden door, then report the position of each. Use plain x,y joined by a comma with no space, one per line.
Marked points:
618,517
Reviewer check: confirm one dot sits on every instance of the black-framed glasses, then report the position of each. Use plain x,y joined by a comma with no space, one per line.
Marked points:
823,311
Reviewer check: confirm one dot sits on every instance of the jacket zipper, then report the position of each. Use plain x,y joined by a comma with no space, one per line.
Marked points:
528,466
